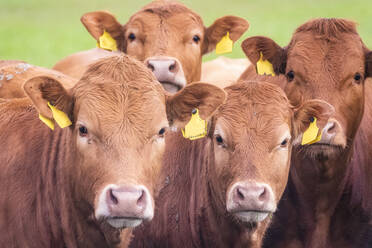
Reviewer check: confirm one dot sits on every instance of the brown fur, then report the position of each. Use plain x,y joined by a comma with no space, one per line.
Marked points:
191,207
328,198
50,180
162,28
15,73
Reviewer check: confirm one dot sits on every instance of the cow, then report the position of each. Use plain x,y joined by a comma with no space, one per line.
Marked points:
328,200
166,35
223,71
83,184
13,74
220,191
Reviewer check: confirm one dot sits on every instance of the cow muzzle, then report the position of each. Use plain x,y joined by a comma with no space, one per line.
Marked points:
168,71
124,206
250,202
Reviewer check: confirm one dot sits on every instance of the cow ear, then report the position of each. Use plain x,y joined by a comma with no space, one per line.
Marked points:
276,55
236,27
369,64
202,96
43,90
99,21
303,116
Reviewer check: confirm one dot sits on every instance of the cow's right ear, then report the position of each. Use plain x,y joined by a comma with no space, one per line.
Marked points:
305,114
276,55
205,97
43,90
99,21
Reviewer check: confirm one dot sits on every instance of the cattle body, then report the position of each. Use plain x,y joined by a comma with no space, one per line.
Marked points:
220,191
328,198
13,74
223,71
167,36
89,183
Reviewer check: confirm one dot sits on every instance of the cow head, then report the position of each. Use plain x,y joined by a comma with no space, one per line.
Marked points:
120,114
326,59
252,148
168,37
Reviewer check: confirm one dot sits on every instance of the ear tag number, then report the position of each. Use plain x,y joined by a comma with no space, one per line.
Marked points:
311,135
264,67
196,128
225,45
107,42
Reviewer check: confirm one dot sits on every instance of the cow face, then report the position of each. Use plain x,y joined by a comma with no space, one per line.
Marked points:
168,37
326,59
120,115
252,148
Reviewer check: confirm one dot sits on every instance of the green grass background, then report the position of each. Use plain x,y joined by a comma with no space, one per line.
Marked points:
43,31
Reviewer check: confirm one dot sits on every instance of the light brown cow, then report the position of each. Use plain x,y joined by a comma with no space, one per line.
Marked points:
167,36
13,74
220,191
328,200
79,186
223,71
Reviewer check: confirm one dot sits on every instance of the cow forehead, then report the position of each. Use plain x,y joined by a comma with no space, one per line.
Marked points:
119,93
148,22
340,57
265,109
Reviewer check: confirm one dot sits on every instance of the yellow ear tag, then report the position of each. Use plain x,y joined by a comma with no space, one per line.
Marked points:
225,45
196,128
264,67
47,121
60,117
107,42
311,136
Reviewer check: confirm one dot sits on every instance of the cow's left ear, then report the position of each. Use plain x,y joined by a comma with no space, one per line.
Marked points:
369,63
305,114
236,27
98,22
43,90
204,97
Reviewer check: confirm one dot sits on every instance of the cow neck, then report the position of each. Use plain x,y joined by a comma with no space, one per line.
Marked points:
61,201
319,184
216,227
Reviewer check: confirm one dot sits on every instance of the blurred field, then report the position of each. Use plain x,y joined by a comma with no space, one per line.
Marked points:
43,31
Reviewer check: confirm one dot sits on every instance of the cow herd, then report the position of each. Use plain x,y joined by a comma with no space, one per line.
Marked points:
128,145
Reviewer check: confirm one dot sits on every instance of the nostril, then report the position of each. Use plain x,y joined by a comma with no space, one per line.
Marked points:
262,196
331,127
151,67
142,199
113,198
239,194
172,67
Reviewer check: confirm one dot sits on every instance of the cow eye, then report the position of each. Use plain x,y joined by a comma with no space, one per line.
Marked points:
290,76
357,77
83,131
219,139
284,143
196,39
161,132
131,37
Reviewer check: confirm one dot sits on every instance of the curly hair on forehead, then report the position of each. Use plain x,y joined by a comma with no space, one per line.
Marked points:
328,27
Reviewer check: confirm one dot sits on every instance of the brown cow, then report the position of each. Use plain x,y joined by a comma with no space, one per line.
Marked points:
13,74
79,186
328,199
220,191
167,36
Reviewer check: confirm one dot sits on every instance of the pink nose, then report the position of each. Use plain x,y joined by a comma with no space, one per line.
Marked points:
250,197
162,67
128,201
